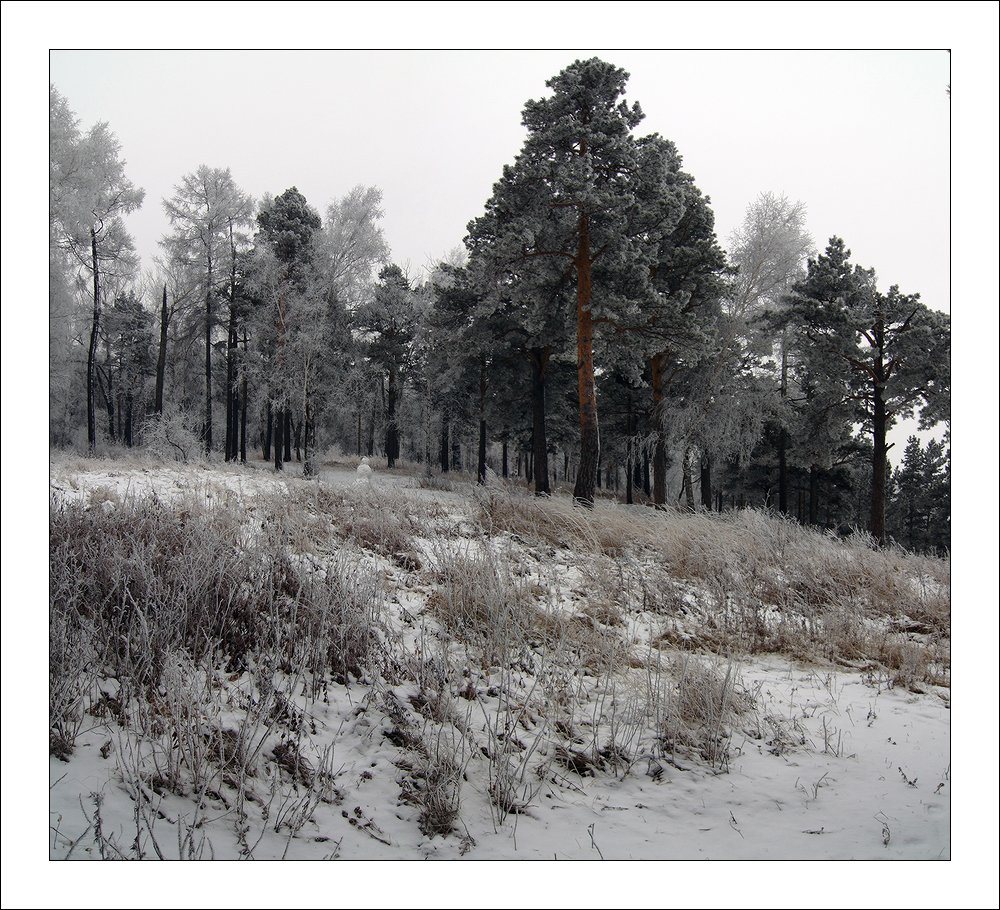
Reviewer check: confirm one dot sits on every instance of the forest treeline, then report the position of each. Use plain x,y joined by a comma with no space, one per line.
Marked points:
593,331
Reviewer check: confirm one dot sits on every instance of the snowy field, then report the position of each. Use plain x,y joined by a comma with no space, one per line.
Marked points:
643,712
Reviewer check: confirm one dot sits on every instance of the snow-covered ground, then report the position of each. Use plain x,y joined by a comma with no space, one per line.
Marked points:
839,771
821,761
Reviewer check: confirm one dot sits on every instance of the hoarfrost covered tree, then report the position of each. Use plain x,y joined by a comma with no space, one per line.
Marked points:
282,277
207,212
679,327
583,192
355,244
89,195
769,250
919,508
128,332
388,322
525,305
352,248
472,350
889,353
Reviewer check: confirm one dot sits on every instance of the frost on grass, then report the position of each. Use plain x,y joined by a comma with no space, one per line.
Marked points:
262,668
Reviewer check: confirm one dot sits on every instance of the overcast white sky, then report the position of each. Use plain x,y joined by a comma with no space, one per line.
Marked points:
861,137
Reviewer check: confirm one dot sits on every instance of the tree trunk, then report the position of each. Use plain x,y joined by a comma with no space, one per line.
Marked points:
590,436
297,436
288,433
539,465
119,412
308,443
706,482
687,485
481,461
279,425
243,408
107,393
444,450
208,361
391,430
630,446
232,399
783,433
880,427
268,433
428,470
371,432
128,419
503,458
92,350
645,473
659,442
161,357
359,431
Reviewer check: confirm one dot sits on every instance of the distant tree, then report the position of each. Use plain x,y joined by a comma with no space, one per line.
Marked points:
889,353
88,196
919,508
769,251
355,244
388,322
282,278
128,329
206,212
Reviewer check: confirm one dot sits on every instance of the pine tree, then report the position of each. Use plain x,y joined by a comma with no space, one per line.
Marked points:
888,353
284,289
585,193
388,322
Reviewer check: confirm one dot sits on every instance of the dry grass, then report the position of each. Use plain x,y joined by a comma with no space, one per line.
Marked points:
138,581
555,642
759,582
